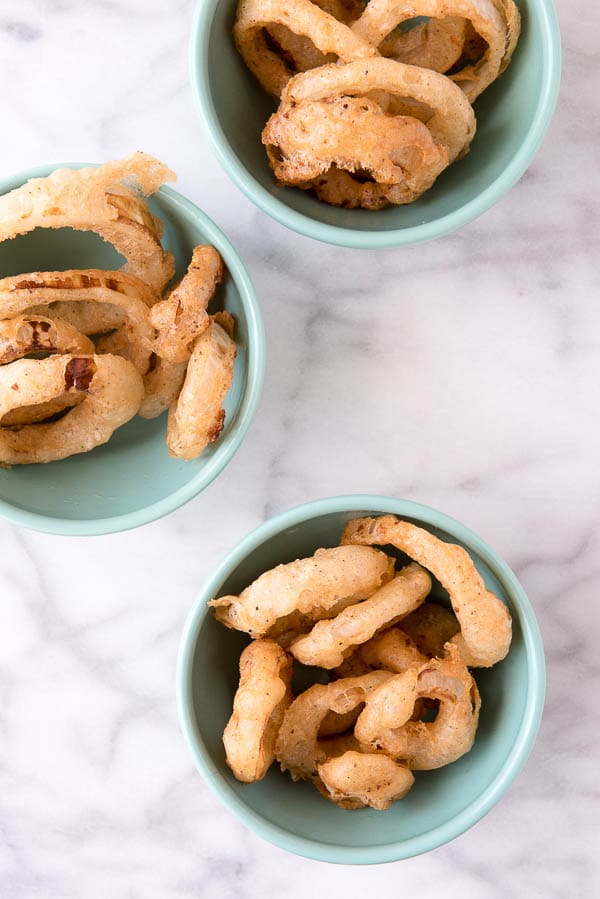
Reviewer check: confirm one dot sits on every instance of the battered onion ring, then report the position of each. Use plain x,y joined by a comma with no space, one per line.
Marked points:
27,334
385,721
329,642
113,389
263,695
87,318
298,749
41,412
305,590
162,386
304,140
367,779
182,316
197,417
327,34
130,295
496,21
485,621
96,199
431,626
452,121
436,44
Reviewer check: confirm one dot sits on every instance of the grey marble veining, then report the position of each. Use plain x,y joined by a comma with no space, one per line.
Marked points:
463,374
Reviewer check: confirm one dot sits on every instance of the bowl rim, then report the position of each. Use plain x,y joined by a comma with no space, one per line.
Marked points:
358,238
472,813
86,527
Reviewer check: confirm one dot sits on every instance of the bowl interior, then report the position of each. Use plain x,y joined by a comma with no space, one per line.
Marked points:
505,113
133,471
296,809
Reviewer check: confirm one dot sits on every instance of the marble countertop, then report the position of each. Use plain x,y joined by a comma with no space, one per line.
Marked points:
463,374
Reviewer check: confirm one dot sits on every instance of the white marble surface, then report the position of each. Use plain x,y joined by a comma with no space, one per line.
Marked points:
463,374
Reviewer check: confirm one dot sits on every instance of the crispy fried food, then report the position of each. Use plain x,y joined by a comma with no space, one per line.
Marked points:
304,140
263,695
182,316
330,641
273,55
385,724
42,290
431,626
485,621
86,317
113,392
27,334
367,779
106,199
451,123
298,749
436,44
393,650
305,590
497,22
197,417
41,412
162,385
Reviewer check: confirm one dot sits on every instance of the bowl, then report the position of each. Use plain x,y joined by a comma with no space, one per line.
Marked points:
131,480
512,117
443,803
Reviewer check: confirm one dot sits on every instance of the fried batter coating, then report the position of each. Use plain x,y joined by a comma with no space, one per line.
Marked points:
367,779
263,695
27,334
332,640
305,590
485,622
107,199
431,626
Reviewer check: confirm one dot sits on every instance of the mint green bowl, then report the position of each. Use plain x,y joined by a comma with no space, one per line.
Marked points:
131,480
443,803
512,118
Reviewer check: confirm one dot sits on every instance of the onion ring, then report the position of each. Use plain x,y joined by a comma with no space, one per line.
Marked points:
113,390
298,749
330,641
437,44
366,779
266,58
485,621
27,334
197,417
96,199
91,286
385,721
305,590
496,21
263,695
182,316
304,140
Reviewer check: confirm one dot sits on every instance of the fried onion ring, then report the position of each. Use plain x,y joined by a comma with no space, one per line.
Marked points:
197,417
298,749
497,22
182,316
97,199
27,334
269,61
305,590
330,641
128,294
485,621
263,695
385,721
365,778
304,140
113,392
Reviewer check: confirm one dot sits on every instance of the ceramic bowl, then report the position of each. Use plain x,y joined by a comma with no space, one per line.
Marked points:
131,480
442,803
